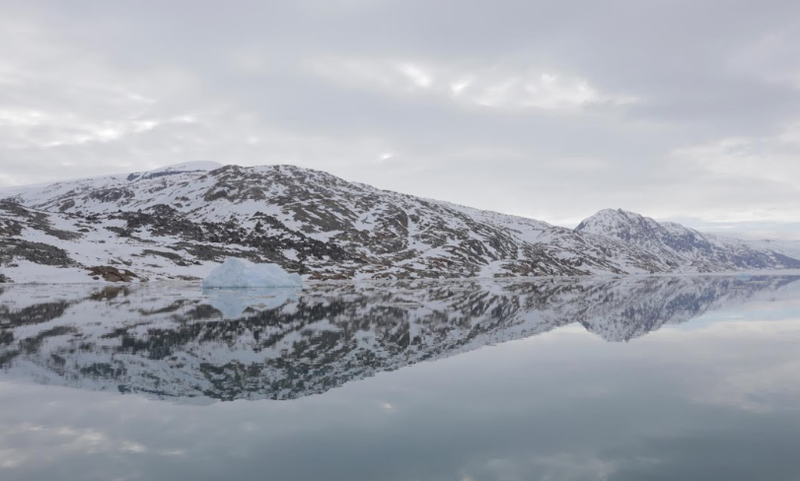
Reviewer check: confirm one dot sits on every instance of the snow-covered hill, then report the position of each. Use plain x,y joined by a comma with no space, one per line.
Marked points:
685,248
180,222
790,248
172,341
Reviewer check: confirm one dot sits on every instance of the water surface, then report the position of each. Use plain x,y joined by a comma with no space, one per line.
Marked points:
570,379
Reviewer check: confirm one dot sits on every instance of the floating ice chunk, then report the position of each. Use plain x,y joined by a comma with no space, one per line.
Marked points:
241,274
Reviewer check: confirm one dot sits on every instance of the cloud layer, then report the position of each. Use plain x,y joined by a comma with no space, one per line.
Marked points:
552,110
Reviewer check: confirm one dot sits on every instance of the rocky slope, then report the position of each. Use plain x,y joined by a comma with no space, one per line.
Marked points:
180,222
681,246
175,342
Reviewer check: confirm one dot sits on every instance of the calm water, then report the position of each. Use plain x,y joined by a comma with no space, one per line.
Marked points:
608,379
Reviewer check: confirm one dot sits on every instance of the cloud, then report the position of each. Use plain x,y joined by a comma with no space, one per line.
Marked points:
772,158
553,110
491,86
757,170
54,443
771,58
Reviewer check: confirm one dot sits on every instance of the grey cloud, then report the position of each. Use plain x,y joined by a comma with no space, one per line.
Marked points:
93,88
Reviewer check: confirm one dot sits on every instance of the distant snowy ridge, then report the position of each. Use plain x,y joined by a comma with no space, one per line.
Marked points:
789,248
197,166
194,166
683,247
181,221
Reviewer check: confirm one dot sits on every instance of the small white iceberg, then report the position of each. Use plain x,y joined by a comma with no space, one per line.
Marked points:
240,273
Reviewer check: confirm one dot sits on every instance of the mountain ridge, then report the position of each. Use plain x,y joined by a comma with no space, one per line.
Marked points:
670,240
181,221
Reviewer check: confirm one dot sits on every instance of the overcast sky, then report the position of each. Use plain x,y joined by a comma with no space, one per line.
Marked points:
683,109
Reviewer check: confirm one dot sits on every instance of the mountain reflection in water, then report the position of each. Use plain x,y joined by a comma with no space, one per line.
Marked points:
176,342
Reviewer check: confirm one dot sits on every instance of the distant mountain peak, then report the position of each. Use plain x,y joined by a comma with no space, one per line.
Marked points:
678,244
611,221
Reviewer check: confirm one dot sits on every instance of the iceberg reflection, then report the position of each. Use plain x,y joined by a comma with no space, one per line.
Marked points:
234,303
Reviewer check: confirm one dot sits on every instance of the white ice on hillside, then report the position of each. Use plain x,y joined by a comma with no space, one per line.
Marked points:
240,273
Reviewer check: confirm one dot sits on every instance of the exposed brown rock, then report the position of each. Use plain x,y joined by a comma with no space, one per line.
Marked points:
112,274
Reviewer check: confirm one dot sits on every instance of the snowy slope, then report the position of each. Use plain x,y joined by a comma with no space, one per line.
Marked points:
687,249
182,221
789,248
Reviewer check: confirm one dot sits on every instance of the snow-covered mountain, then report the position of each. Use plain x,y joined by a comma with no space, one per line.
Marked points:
790,248
685,248
180,222
172,341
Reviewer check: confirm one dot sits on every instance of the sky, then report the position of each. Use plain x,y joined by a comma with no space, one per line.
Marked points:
676,109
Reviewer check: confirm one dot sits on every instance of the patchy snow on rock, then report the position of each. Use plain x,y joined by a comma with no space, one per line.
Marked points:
240,273
178,223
